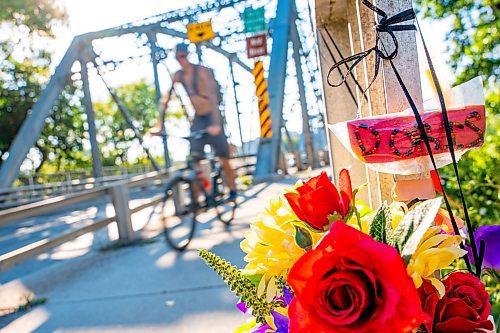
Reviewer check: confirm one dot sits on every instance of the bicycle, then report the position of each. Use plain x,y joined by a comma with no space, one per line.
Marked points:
187,194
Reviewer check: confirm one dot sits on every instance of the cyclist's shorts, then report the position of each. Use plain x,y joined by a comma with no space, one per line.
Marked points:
218,143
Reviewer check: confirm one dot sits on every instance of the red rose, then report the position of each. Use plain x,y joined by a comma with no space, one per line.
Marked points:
352,284
318,198
464,308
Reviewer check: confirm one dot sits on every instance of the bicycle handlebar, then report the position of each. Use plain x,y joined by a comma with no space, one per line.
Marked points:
196,134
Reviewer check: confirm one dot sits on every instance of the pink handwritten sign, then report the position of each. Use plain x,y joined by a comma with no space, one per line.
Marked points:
395,138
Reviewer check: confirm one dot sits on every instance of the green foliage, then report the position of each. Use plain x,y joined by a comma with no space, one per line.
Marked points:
303,238
19,86
38,16
380,227
424,214
61,141
473,47
30,302
239,284
408,233
116,136
473,39
24,70
479,177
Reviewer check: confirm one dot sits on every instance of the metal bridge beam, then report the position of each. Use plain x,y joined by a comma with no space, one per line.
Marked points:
89,110
154,59
269,149
237,104
312,160
35,121
158,28
231,56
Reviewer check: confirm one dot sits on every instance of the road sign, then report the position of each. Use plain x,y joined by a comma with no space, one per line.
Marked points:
254,19
263,100
257,46
199,32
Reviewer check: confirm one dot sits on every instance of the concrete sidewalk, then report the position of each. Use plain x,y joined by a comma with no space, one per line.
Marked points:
145,288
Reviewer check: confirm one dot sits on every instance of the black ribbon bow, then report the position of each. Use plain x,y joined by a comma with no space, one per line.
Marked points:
385,25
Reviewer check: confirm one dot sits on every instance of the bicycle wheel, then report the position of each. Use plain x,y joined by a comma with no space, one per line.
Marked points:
225,208
178,214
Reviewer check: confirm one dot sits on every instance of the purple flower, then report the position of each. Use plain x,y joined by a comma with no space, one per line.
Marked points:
280,321
242,306
287,295
262,328
491,236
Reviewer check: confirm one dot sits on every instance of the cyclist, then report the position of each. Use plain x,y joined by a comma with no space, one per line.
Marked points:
203,91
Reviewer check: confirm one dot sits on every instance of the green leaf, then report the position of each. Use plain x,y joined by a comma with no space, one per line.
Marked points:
379,223
307,227
422,214
255,279
389,238
425,215
240,285
334,217
303,238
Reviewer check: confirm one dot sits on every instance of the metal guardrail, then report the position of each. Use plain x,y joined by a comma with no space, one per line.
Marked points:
22,195
118,191
69,175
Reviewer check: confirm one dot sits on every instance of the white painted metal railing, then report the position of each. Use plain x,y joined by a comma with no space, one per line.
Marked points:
117,191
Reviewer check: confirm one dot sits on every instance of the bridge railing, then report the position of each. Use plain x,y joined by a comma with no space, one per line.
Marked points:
117,191
22,195
112,189
25,194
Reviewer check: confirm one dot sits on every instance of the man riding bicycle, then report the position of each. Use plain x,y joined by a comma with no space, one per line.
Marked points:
202,89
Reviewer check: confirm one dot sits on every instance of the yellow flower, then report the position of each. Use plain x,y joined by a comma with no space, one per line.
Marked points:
434,252
247,327
398,210
365,215
270,243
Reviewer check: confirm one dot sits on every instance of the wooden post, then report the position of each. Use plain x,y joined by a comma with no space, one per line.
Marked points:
352,26
420,185
341,103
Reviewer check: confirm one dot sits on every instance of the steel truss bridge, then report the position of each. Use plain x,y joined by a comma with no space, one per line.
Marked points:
291,32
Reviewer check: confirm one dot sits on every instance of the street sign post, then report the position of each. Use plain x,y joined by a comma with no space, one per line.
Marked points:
254,19
200,32
256,46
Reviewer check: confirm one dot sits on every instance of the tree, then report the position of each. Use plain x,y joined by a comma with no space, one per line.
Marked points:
62,140
473,39
24,69
473,48
37,16
116,136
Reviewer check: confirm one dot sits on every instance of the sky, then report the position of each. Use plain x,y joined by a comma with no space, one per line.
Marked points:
93,15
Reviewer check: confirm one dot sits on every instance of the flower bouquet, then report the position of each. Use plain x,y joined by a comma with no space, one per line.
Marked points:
320,261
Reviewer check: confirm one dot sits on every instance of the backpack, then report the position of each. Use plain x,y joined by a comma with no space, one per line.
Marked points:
218,89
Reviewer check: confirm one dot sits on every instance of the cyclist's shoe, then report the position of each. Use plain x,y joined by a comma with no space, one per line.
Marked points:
232,195
158,129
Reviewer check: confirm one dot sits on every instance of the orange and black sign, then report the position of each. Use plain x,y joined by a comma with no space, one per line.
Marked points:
257,46
200,32
263,99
